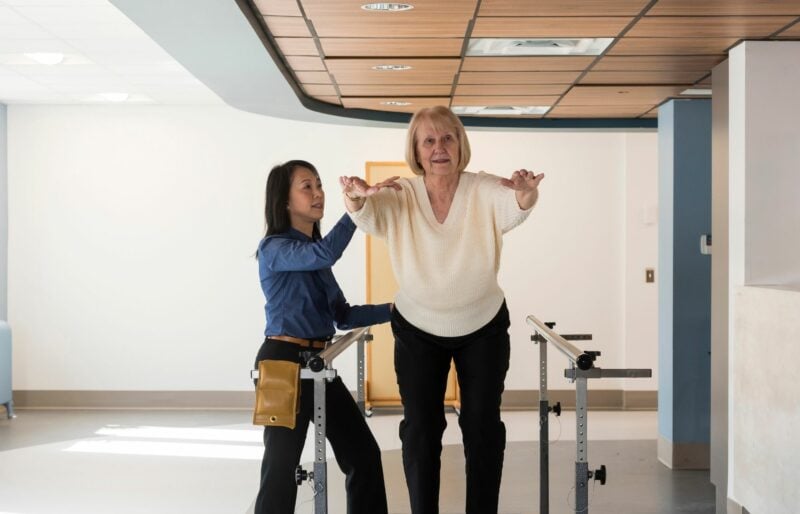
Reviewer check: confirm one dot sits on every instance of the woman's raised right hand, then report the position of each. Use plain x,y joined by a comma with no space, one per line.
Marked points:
357,187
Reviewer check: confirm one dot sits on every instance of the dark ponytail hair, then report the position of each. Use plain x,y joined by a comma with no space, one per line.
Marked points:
276,214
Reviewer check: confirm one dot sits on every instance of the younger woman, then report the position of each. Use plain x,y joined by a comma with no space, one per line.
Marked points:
304,307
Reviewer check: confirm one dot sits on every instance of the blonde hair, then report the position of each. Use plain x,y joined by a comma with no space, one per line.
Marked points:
442,119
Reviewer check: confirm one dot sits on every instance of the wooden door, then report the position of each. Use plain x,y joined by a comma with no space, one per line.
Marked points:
381,385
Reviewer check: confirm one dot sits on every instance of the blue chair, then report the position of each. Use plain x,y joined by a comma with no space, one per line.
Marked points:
5,369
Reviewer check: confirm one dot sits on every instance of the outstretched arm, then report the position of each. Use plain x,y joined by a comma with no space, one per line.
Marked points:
356,190
285,254
526,185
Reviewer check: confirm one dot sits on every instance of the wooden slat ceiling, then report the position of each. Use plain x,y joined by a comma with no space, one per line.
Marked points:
659,49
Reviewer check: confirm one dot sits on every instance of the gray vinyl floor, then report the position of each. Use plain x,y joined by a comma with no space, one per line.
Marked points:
93,462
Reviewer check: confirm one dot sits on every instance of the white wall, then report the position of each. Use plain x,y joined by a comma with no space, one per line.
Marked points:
3,213
764,249
132,233
641,252
767,411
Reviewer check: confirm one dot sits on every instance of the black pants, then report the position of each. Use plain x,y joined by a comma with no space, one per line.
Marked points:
422,362
355,448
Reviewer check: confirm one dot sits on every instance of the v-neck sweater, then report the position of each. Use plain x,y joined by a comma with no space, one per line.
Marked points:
446,272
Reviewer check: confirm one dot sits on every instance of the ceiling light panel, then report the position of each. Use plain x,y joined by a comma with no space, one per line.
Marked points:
387,7
537,46
500,110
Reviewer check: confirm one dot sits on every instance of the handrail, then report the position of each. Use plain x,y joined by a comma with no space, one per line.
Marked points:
579,357
321,360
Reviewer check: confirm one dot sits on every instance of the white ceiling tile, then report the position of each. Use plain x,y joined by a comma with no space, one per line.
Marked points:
32,97
70,31
22,46
104,51
57,3
67,83
120,50
198,96
162,80
9,16
148,67
18,83
82,14
34,71
27,31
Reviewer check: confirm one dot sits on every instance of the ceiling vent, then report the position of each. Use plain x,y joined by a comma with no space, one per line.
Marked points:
387,7
500,110
513,47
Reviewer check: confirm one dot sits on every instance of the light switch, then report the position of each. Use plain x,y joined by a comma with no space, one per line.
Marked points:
649,275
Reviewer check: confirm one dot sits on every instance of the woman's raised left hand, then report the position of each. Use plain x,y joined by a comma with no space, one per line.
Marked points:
523,180
526,185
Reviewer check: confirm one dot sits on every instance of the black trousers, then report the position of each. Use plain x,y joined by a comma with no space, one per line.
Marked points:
355,448
422,362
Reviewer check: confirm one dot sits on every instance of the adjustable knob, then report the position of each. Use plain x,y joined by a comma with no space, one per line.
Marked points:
316,364
555,409
301,475
599,474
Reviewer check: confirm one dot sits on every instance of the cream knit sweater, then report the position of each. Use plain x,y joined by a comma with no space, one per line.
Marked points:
447,272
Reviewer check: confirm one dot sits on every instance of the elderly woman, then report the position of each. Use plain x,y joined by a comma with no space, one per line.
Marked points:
444,230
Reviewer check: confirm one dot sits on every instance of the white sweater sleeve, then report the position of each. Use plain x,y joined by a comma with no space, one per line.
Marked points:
376,214
507,211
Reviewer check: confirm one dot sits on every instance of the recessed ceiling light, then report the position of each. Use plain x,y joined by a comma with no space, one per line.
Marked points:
391,67
114,97
390,7
48,58
395,103
500,110
533,46
696,91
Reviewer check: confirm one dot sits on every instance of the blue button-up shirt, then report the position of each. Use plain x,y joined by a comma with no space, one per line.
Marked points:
303,298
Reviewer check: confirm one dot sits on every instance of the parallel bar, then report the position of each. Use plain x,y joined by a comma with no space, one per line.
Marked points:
573,373
341,344
571,351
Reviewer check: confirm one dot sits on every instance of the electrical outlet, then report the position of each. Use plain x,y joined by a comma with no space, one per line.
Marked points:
649,275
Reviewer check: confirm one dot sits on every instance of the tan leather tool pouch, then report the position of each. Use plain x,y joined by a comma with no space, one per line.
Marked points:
277,393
